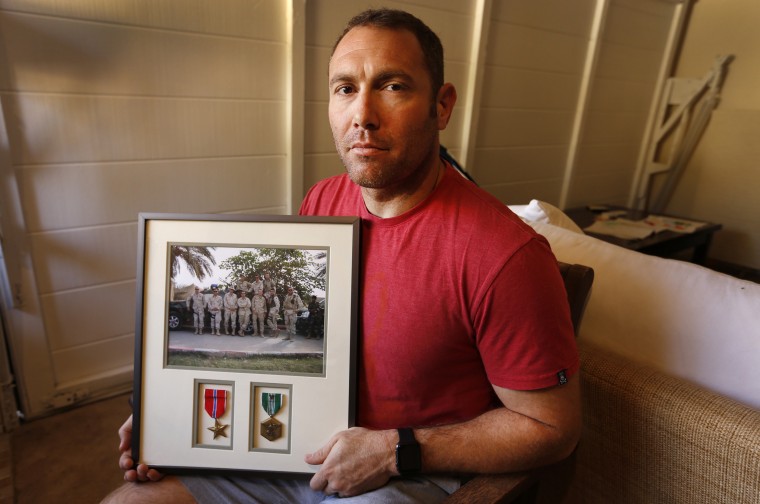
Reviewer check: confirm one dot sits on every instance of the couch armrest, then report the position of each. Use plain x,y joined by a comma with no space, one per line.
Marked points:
650,437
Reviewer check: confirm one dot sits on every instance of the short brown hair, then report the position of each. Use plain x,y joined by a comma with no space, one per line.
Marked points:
393,19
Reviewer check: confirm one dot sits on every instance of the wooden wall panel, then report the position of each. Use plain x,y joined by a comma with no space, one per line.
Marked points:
523,128
73,56
113,108
236,18
523,192
107,362
630,55
81,316
535,58
76,128
550,15
117,192
522,163
530,89
79,258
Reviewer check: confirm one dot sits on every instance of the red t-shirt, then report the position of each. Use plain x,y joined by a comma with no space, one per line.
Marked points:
457,294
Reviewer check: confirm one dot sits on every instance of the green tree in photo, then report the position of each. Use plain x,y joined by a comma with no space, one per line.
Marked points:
303,270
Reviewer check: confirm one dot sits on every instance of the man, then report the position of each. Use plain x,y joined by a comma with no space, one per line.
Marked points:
244,311
498,323
291,304
268,282
214,306
274,312
197,306
230,311
257,284
259,303
315,319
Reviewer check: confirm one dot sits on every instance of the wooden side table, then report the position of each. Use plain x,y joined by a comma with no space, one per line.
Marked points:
663,244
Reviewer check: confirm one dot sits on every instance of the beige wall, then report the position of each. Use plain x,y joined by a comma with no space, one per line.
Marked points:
115,108
722,180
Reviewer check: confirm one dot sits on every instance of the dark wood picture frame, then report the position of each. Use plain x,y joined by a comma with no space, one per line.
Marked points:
168,416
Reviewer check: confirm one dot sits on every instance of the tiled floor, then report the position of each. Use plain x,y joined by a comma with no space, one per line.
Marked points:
67,457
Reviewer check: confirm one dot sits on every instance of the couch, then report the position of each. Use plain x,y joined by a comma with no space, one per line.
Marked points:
670,354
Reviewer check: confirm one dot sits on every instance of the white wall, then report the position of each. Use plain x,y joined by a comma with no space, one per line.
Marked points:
531,84
721,182
631,50
113,108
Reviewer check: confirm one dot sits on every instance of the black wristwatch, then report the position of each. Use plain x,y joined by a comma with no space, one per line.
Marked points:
408,455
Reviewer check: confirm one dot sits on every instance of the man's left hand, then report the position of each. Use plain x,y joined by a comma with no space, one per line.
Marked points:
354,461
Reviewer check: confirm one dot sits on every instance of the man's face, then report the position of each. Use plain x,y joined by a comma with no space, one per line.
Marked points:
382,107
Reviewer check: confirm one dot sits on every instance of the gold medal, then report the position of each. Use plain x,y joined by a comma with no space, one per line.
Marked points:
218,429
271,429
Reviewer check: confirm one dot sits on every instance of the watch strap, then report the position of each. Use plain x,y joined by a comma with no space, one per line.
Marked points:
408,455
406,436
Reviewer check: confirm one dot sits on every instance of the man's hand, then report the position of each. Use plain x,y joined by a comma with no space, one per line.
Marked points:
354,461
142,472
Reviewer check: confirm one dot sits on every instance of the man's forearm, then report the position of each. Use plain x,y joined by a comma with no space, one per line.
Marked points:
504,440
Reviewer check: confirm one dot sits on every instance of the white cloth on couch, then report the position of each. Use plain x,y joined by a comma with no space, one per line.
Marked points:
682,318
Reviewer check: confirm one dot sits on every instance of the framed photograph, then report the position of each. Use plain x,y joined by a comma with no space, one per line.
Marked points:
245,348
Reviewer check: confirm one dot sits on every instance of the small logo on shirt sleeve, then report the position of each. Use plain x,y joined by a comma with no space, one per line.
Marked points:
562,377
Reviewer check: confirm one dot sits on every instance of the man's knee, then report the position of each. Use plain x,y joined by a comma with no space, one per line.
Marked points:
168,490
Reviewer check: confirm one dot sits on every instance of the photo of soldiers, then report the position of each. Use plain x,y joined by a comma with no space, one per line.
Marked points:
220,298
214,305
259,304
230,311
244,311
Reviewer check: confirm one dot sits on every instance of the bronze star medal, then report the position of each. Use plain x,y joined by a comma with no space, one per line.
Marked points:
271,429
215,405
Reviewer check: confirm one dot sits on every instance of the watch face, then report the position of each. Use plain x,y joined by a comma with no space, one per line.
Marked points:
408,458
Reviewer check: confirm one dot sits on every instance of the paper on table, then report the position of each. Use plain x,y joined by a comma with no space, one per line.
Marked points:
660,223
621,228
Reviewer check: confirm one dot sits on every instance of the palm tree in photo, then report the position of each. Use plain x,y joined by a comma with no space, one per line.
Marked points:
198,260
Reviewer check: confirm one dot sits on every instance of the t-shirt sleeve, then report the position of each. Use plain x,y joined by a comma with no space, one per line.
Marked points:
523,327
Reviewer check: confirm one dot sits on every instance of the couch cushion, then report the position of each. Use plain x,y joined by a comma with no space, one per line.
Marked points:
679,317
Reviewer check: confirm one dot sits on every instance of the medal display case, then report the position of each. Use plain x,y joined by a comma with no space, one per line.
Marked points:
234,399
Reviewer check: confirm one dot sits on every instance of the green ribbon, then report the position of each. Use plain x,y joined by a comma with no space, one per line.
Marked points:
271,402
